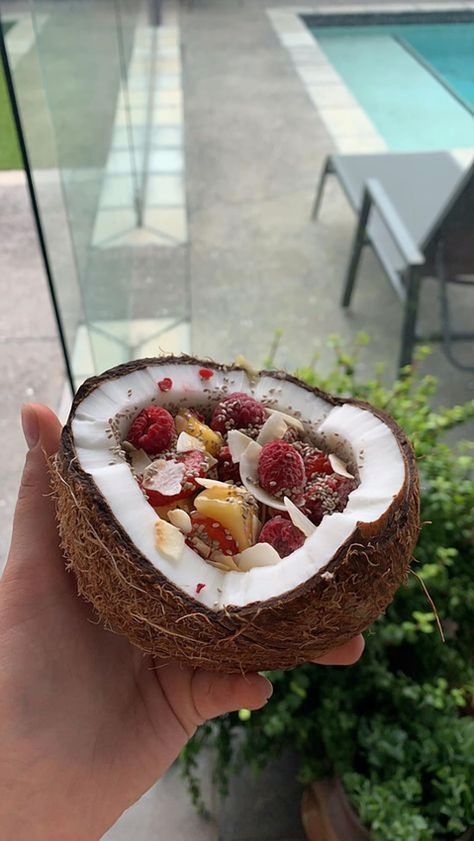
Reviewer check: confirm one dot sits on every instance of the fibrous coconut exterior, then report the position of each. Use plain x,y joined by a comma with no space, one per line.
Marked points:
132,597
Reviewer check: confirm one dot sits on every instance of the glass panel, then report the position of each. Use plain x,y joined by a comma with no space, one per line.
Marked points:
107,167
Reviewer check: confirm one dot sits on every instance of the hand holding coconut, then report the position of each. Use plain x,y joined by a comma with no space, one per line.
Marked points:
87,722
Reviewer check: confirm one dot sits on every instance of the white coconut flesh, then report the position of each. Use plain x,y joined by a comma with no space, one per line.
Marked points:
361,440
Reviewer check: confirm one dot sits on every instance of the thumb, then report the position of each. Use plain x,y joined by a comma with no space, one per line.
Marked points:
35,534
214,694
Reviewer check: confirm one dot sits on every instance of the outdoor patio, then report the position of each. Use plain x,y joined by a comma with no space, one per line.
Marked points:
240,260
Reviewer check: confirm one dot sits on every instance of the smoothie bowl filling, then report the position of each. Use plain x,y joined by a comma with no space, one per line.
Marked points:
243,484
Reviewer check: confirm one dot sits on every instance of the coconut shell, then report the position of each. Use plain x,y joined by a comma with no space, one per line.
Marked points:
133,598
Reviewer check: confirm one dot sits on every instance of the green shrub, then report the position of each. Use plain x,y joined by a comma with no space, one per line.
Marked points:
398,727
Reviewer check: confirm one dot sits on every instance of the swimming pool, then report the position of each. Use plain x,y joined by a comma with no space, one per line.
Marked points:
415,81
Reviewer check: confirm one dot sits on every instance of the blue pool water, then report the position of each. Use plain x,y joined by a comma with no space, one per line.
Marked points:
415,81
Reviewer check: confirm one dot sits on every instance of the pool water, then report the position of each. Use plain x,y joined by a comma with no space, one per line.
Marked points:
415,81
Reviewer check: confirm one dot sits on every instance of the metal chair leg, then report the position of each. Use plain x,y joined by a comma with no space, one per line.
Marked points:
327,169
410,318
357,245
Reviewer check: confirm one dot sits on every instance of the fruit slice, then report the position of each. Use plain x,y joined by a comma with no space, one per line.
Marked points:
187,421
233,508
212,533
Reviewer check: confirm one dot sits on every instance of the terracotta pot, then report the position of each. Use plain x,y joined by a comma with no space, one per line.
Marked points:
327,815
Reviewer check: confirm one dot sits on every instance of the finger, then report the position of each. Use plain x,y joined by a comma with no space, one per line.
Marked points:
345,655
214,694
34,527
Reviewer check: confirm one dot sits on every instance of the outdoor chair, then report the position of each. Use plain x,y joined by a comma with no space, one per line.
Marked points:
416,210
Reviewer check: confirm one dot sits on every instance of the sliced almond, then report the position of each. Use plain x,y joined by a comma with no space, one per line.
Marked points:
300,520
237,442
259,555
211,483
169,540
226,561
338,466
181,520
289,419
274,428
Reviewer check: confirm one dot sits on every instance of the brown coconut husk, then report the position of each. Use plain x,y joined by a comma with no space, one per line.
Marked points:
133,598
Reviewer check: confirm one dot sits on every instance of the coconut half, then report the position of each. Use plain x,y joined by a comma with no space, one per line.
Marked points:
277,613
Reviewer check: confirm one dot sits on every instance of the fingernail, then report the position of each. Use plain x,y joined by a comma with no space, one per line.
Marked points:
29,422
269,687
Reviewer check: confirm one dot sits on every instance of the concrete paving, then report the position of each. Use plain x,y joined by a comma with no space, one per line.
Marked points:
254,263
31,367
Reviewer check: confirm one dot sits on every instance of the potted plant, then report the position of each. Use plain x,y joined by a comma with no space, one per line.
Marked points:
386,747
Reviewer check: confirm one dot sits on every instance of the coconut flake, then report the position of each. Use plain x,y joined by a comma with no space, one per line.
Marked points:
274,428
225,562
188,442
300,520
259,555
165,476
249,476
237,442
181,520
289,419
169,540
139,459
338,466
211,483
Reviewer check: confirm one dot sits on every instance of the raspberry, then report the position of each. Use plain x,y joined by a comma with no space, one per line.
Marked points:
316,462
325,495
227,470
238,411
195,466
152,430
282,535
280,469
166,384
206,373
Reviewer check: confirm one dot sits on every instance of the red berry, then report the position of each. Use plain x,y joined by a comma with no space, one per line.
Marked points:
316,462
280,469
227,470
325,495
343,487
282,535
152,430
238,411
206,373
199,587
166,384
213,534
195,466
